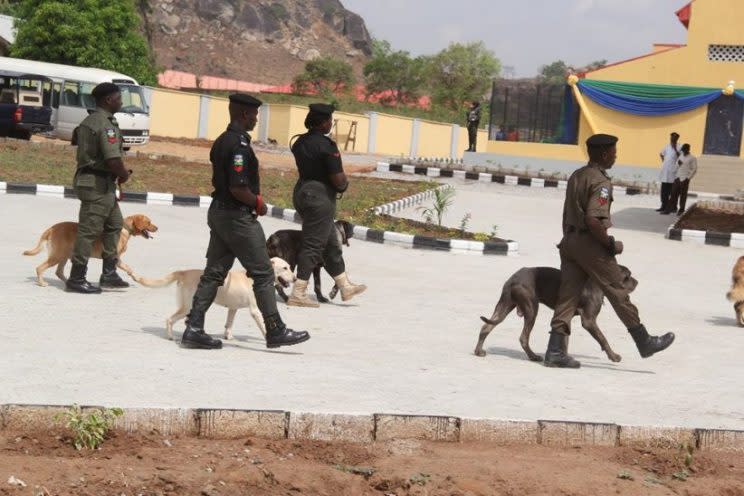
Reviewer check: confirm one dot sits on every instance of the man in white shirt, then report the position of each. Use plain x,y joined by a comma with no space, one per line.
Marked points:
669,156
686,170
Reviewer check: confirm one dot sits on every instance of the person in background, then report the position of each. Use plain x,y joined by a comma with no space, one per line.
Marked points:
500,134
686,170
669,156
473,120
513,134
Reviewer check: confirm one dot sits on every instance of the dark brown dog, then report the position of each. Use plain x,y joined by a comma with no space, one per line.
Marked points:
286,245
529,287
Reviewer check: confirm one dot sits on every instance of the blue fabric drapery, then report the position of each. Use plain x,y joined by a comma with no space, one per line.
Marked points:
569,126
648,106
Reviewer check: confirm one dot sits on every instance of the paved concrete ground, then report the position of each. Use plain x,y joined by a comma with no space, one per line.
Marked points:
404,347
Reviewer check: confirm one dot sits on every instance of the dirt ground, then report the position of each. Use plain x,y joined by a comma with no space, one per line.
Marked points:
155,465
703,219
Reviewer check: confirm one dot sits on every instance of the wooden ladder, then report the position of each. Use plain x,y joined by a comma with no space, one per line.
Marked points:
350,138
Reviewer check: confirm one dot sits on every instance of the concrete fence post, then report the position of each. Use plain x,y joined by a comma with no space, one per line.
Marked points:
372,134
455,141
203,129
415,131
263,122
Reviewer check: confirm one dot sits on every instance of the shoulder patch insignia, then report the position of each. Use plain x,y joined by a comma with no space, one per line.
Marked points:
238,163
111,134
604,196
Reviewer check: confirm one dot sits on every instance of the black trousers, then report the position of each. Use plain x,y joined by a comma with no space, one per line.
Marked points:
666,193
316,204
472,137
679,194
234,234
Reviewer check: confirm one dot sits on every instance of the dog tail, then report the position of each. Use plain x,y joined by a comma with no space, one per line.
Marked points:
159,283
736,294
42,240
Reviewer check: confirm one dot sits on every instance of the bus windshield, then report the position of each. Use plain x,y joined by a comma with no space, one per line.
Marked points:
132,98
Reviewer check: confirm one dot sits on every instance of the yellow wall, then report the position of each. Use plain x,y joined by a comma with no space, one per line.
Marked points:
434,139
174,114
717,22
394,135
343,126
218,117
279,122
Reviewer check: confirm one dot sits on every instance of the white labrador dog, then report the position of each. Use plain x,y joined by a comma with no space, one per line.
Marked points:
235,293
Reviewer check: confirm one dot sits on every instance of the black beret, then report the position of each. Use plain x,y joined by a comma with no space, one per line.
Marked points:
322,108
601,140
103,90
246,100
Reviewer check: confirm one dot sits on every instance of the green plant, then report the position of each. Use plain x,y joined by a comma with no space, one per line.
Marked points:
482,237
625,475
443,198
464,222
89,429
494,231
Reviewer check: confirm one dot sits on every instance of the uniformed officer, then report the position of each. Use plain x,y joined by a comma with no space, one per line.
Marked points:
473,117
99,168
235,231
321,179
588,251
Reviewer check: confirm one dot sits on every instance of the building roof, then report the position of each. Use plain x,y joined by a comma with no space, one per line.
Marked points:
7,32
685,13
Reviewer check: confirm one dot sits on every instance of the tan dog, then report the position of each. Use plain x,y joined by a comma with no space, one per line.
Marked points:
736,295
235,293
60,239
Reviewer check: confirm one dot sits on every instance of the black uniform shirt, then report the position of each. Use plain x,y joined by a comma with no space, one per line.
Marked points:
233,164
317,157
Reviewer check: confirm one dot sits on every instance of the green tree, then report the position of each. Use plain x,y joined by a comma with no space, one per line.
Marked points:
8,7
396,72
555,73
462,72
90,33
326,76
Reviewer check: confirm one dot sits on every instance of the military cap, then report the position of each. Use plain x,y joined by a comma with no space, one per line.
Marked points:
246,100
103,90
322,108
601,140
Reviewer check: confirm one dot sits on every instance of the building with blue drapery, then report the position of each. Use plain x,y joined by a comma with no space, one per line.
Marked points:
695,89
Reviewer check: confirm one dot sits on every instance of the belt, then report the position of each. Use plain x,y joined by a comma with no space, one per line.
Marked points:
95,172
220,205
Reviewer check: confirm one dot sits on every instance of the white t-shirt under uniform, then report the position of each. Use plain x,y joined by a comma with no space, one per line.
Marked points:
669,167
687,168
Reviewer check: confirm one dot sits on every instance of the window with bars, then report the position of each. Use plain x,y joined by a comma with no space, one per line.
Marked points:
726,53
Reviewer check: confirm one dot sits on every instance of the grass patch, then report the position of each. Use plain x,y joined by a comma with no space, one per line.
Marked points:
38,163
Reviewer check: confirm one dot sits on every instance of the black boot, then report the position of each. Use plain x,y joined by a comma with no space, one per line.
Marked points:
648,345
77,283
557,355
109,277
278,334
194,336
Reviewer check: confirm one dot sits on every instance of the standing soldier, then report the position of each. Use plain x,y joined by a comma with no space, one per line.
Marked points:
236,232
473,118
588,251
321,179
99,168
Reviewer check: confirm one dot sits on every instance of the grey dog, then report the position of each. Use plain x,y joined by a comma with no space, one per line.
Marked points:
529,287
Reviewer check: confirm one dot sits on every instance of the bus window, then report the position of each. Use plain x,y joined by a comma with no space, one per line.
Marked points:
70,95
132,99
86,98
47,93
55,94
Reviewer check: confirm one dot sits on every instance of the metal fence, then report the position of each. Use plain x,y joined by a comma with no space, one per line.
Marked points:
526,110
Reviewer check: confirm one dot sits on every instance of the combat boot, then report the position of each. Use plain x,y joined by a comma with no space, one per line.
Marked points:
77,283
109,277
194,336
648,345
557,355
348,289
278,334
299,297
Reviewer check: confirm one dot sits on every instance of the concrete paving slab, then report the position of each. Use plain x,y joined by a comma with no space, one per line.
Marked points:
405,346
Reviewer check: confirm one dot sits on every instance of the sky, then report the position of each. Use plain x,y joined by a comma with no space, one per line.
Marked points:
526,34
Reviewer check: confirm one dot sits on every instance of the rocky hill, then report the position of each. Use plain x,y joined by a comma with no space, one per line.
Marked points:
262,41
